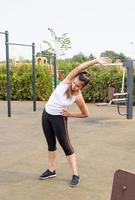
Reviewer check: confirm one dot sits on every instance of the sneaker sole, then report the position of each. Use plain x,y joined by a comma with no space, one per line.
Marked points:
75,185
44,178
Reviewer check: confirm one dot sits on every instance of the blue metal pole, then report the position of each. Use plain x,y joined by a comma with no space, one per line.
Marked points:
129,65
33,77
8,85
130,89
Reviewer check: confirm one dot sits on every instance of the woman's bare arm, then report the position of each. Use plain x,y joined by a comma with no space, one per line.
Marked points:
84,112
82,67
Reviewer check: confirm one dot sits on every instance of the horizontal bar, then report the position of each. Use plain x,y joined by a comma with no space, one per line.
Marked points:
27,45
121,99
2,32
120,94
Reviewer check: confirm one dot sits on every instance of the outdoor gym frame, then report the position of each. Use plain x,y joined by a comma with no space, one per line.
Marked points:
8,84
128,94
127,64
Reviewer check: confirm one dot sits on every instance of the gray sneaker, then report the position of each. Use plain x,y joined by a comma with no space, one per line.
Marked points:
75,181
47,174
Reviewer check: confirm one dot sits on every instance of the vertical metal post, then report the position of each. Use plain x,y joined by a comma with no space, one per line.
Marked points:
33,77
129,65
55,71
8,85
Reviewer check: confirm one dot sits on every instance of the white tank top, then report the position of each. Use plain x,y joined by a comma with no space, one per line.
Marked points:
58,100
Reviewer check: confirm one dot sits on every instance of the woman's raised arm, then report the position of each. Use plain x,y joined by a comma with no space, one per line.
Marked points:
83,66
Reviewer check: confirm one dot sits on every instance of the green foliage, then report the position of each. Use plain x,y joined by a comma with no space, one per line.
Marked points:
101,79
2,82
44,83
67,65
59,44
91,57
80,57
122,57
21,79
21,82
95,91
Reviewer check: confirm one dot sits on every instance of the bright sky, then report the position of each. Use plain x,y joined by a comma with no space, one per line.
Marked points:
92,25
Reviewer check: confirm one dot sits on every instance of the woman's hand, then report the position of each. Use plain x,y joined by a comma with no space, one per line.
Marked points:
65,113
103,60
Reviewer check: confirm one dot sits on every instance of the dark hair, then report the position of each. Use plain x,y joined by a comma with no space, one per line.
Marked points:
84,77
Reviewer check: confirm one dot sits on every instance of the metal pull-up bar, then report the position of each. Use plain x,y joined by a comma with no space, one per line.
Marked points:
33,70
26,45
2,32
8,71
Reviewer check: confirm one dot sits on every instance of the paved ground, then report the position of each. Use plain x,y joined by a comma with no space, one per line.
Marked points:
104,142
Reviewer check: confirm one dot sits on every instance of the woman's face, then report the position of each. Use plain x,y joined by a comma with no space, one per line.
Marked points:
76,85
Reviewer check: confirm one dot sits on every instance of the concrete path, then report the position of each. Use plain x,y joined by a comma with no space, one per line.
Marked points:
104,142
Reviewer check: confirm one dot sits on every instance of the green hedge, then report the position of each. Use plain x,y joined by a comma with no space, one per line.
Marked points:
21,82
101,79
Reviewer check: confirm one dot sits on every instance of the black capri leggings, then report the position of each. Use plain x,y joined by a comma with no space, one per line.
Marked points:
56,126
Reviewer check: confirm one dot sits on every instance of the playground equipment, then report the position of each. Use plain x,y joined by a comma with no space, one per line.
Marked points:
55,69
8,84
124,97
41,60
111,95
122,92
8,72
123,186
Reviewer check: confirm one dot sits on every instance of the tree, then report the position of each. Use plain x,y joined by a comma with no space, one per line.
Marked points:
91,57
80,57
114,56
59,44
122,57
110,54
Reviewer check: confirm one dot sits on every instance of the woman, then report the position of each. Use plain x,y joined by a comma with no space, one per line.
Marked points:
56,113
